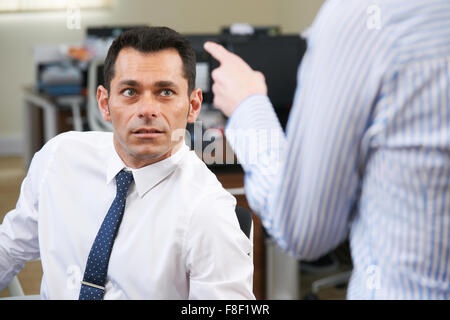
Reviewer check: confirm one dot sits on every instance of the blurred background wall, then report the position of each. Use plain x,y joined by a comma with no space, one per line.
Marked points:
20,32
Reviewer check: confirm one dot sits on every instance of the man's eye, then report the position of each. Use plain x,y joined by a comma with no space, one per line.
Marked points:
129,92
166,92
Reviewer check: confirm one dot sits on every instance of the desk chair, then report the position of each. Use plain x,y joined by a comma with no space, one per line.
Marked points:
16,292
338,279
246,223
14,287
95,120
245,220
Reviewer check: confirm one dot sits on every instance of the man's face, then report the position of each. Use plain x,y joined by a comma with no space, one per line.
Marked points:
148,105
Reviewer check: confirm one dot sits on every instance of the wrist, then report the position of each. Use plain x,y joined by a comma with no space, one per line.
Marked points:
246,101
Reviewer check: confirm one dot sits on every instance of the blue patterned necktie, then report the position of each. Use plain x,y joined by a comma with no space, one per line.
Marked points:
94,279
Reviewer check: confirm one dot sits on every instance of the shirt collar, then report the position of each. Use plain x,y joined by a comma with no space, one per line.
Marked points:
146,177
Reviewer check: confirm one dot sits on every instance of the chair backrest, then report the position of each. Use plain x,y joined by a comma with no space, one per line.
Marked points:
95,120
16,292
15,288
245,220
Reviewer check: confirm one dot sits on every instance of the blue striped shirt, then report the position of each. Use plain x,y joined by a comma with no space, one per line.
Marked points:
366,153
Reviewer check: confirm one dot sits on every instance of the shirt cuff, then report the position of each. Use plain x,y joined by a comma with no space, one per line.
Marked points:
254,133
254,112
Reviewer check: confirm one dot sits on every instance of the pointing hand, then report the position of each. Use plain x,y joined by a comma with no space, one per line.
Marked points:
234,80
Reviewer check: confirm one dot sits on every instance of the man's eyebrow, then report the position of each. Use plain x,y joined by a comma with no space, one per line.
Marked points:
158,84
131,83
165,84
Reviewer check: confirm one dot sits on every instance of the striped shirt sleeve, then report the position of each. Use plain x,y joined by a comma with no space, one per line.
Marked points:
305,201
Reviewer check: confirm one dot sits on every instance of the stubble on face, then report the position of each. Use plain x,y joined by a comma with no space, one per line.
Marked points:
148,109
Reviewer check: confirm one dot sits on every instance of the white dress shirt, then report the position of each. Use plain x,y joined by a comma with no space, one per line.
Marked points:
179,237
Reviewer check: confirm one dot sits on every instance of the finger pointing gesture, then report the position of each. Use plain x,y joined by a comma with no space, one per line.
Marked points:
234,80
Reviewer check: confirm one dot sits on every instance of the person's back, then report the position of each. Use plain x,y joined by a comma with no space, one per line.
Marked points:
367,144
400,237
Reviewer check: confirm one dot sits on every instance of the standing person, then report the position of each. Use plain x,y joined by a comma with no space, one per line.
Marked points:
367,146
131,214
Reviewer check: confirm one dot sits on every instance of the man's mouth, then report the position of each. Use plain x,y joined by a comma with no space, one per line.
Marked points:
147,132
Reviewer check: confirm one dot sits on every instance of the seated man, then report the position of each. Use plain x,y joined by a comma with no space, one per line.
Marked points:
131,214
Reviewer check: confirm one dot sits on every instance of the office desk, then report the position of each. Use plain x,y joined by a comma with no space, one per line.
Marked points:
51,108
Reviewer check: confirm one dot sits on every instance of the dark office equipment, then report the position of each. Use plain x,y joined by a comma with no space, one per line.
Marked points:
108,31
59,78
197,41
277,57
203,58
257,31
245,219
100,74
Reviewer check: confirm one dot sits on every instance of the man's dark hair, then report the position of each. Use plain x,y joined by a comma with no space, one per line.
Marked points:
152,39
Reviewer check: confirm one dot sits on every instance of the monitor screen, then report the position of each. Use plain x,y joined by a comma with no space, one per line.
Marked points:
109,31
277,57
203,70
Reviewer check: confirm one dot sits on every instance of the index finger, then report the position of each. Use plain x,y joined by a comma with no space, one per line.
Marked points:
217,51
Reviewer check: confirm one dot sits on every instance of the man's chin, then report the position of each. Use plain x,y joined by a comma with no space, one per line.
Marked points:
152,154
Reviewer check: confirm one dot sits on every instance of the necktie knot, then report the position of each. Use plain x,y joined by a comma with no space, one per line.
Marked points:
123,181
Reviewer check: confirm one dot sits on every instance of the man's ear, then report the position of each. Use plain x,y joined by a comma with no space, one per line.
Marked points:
195,100
103,102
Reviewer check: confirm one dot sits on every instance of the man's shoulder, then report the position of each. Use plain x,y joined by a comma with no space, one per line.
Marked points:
84,136
201,180
72,139
73,144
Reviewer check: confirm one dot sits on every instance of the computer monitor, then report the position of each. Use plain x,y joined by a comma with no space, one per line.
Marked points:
109,31
277,57
203,70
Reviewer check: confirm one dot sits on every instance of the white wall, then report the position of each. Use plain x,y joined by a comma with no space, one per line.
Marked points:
20,32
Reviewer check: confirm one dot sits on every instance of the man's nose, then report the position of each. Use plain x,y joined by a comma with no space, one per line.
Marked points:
148,107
